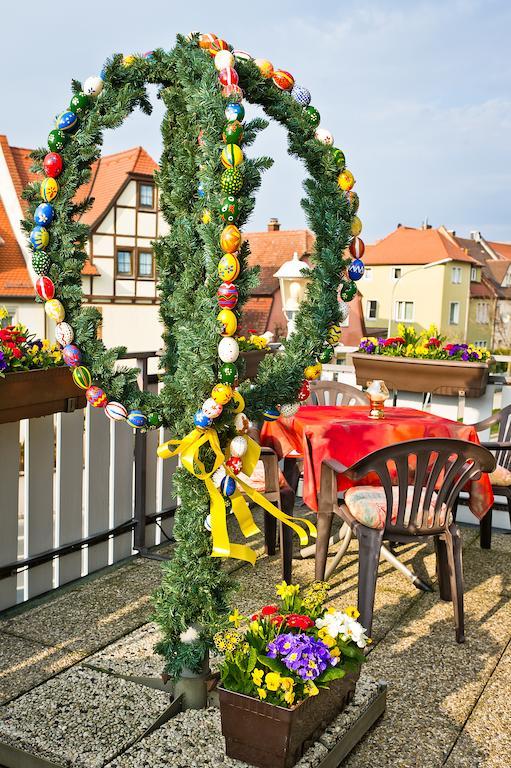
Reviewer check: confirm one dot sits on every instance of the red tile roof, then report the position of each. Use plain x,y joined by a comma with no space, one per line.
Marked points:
14,277
256,313
269,250
498,269
482,290
409,245
503,249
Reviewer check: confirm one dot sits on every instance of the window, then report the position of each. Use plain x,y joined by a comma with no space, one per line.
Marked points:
482,312
9,319
480,343
371,309
146,196
456,275
473,275
506,283
395,273
145,268
124,263
368,273
403,311
454,313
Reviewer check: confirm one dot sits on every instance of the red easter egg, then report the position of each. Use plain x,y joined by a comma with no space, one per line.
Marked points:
52,164
283,80
45,288
357,248
233,93
96,397
217,45
304,392
227,295
235,464
228,76
71,355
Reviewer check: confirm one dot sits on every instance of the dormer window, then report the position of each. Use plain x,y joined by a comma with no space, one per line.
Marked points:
506,283
146,196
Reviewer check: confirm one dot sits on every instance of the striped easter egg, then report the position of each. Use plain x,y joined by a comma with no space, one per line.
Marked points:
137,419
283,80
39,237
66,121
64,334
45,288
231,156
228,76
227,294
116,411
49,189
54,310
357,248
96,397
271,414
217,45
71,355
227,485
82,377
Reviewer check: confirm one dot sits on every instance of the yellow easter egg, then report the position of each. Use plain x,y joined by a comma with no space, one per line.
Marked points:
334,334
206,217
231,156
49,189
127,61
312,372
346,180
238,401
356,226
228,322
221,393
265,67
228,267
54,310
230,239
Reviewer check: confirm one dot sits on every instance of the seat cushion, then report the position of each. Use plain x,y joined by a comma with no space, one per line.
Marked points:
368,505
500,476
258,481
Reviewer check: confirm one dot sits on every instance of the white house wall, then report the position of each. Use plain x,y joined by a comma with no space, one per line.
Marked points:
119,327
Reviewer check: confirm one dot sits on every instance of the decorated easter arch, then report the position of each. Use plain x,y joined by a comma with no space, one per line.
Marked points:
202,163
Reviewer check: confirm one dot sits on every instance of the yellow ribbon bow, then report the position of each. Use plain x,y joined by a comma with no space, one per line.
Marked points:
188,449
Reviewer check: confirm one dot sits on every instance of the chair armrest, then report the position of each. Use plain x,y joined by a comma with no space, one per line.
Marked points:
337,466
265,451
480,426
497,446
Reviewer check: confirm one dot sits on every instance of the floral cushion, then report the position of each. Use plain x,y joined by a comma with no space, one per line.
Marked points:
368,505
500,476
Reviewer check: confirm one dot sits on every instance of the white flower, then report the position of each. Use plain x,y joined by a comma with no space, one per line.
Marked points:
189,636
341,625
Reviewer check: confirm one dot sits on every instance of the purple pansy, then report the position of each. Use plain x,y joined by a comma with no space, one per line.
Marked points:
302,654
3,362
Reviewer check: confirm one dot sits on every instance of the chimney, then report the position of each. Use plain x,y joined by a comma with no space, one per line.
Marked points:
475,235
273,225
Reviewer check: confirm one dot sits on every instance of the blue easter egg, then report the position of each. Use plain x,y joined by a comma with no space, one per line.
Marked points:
66,121
356,269
202,421
39,238
137,419
301,95
200,190
234,112
44,214
149,55
227,485
271,414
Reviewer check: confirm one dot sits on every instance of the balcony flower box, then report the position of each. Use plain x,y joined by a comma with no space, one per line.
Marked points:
253,359
29,394
270,736
441,377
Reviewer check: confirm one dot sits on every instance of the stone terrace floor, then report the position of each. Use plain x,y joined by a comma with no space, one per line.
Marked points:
448,704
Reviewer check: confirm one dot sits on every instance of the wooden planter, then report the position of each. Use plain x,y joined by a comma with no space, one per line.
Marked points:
268,736
252,360
29,394
443,377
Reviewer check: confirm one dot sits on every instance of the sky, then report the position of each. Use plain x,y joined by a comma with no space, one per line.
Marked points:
417,94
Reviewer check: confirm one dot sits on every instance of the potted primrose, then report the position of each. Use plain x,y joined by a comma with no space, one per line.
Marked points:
287,672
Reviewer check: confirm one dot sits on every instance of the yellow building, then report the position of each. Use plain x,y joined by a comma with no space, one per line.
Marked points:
420,277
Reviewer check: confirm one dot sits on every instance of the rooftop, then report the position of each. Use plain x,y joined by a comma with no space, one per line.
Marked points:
412,245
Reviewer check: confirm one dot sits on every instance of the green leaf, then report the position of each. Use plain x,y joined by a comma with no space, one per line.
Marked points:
273,664
252,660
334,673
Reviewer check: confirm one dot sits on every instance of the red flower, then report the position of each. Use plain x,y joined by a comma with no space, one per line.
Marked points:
277,620
433,342
296,620
17,353
269,610
252,330
254,617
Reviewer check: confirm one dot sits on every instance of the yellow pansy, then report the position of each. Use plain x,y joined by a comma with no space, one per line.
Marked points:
311,688
272,681
236,618
3,313
352,612
261,693
328,640
289,697
335,652
287,683
254,626
257,677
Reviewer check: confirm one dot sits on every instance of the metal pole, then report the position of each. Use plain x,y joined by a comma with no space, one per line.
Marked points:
140,469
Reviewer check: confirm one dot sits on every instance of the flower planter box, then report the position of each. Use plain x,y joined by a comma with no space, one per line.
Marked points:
29,394
252,360
443,377
269,736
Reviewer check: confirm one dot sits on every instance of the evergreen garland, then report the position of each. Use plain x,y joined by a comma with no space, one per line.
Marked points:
194,590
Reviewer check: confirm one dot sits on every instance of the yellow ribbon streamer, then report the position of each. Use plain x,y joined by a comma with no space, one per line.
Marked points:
188,449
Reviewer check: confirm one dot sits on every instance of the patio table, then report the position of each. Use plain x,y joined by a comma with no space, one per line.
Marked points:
347,434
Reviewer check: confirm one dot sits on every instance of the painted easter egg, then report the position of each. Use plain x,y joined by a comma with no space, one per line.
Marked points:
200,190
39,238
353,200
283,80
227,485
221,393
324,136
241,423
154,420
334,334
228,76
96,397
41,263
53,164
357,247
66,121
232,92
137,419
339,158
348,291
234,112
346,180
115,411
287,410
71,355
44,214
229,209
238,446
217,45
227,373
228,350
202,421
211,408
234,464
228,267
228,322
57,140
82,377
227,294
312,114
325,355
242,55
223,60
301,95
238,401
271,414
49,189
80,103
45,288
206,40
265,67
312,372
233,133
93,86
230,239
356,226
356,269
54,310
232,181
304,392
231,156
64,334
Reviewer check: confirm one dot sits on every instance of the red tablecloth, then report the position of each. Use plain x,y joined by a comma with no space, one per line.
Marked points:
347,434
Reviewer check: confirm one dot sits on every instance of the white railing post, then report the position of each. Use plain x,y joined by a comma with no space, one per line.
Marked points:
9,483
69,490
38,485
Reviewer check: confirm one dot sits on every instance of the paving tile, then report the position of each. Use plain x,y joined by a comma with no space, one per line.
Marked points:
132,655
81,718
25,664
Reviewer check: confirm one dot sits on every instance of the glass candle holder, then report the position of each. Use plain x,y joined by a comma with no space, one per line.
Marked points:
377,393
